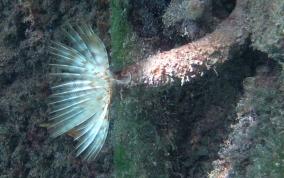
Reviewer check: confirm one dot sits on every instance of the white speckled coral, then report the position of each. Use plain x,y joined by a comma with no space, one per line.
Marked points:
81,101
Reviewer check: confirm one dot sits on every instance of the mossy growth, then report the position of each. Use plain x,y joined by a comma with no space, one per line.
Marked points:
122,163
136,139
121,35
146,130
269,159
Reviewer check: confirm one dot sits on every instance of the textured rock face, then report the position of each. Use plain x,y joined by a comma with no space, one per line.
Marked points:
26,28
267,35
164,56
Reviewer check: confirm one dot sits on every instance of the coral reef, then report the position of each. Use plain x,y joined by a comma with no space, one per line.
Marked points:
193,77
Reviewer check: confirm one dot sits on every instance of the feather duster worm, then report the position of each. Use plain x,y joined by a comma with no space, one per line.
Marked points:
81,101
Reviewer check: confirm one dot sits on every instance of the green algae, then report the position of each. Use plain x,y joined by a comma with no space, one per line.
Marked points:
121,35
